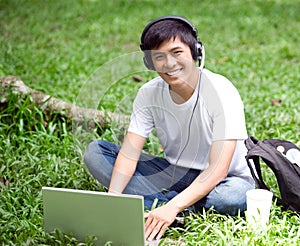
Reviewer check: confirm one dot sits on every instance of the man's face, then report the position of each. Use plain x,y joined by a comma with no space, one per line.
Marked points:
173,61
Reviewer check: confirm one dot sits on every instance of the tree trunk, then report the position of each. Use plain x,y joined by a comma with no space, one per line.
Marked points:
49,104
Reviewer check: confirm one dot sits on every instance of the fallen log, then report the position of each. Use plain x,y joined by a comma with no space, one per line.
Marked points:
50,104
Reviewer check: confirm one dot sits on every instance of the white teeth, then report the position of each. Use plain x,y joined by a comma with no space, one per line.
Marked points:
172,73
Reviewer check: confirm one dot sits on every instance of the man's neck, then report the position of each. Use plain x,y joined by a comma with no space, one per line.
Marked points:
183,92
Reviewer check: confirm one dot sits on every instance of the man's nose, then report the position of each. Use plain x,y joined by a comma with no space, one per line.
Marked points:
170,60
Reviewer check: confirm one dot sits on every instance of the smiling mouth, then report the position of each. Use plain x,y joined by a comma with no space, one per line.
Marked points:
174,72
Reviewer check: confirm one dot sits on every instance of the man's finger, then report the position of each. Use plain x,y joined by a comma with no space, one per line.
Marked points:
150,221
162,231
156,230
150,225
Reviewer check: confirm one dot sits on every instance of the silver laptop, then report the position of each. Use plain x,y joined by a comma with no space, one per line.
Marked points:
111,218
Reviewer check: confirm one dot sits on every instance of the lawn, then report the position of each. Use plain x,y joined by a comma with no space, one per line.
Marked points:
87,53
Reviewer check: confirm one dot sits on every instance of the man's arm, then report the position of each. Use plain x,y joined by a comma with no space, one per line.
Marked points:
126,162
220,158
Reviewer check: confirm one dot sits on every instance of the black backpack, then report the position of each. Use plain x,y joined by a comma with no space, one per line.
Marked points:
280,156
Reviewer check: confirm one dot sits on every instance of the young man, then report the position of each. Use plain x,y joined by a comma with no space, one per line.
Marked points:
199,119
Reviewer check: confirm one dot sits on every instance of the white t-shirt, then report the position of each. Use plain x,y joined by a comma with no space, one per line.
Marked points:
186,131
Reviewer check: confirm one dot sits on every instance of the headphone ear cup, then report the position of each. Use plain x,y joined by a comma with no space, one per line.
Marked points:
198,51
148,61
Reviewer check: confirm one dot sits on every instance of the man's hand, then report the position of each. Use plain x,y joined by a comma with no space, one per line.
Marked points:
158,221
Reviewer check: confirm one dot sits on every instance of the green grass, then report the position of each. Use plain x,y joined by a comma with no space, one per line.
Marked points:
66,49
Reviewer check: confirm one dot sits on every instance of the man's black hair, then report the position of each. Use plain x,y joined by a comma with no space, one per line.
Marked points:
169,30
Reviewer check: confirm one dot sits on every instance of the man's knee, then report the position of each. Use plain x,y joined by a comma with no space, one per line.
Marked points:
90,153
230,196
98,162
231,204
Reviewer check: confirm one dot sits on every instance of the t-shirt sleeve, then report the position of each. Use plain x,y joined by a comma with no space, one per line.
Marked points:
227,111
141,121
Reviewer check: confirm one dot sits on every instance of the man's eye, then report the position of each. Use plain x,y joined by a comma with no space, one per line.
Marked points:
177,52
158,57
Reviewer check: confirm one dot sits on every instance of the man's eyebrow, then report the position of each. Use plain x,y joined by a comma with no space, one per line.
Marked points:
176,48
159,51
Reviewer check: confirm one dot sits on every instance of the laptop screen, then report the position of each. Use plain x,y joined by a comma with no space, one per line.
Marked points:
111,218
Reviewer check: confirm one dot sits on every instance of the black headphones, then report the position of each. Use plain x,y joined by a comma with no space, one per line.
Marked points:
198,48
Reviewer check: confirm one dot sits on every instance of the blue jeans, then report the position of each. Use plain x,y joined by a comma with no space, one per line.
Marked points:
156,179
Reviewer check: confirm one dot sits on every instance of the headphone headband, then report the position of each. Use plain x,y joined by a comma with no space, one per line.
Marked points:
168,17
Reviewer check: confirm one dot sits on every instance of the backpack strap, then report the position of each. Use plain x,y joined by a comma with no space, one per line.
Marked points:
256,171
250,143
254,155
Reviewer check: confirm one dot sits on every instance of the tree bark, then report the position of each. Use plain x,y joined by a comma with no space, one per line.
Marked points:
50,104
